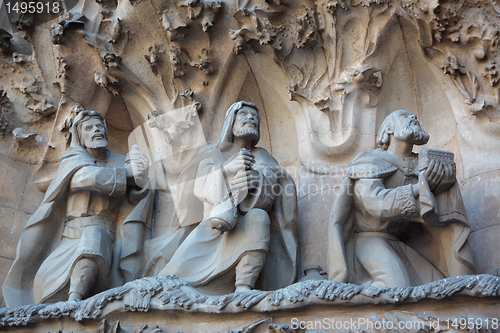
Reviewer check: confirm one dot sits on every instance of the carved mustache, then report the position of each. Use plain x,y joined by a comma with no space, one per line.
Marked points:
249,122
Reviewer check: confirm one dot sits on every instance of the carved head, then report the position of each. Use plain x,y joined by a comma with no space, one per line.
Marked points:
242,120
404,126
89,130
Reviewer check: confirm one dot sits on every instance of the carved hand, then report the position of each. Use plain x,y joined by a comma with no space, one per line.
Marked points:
245,180
243,160
448,179
137,166
434,174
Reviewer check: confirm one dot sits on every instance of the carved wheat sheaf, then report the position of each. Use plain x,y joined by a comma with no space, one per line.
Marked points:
172,293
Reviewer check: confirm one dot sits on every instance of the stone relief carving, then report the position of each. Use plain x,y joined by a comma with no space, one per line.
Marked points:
389,202
168,292
303,41
236,216
105,327
447,26
68,246
330,52
287,29
69,21
307,42
23,138
40,105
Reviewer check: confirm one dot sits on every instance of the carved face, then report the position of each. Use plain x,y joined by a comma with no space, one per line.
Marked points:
93,134
407,128
246,123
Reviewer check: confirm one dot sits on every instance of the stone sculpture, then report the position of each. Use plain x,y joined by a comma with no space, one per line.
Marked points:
246,207
72,241
399,219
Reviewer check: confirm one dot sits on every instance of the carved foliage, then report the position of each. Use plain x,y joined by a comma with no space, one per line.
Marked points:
195,17
152,58
183,12
468,32
260,26
169,292
69,21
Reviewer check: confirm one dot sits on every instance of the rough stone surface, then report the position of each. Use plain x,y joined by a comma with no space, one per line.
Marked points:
11,225
13,175
485,255
32,197
5,264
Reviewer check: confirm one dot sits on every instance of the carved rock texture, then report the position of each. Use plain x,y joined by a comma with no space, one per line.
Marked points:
5,124
324,72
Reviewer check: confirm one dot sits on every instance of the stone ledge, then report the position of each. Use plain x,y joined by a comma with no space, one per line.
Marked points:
173,294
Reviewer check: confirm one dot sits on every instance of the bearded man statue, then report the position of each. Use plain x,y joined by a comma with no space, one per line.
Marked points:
87,235
398,219
244,206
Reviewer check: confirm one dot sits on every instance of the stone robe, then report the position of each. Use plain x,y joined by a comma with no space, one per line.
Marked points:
77,218
206,254
381,235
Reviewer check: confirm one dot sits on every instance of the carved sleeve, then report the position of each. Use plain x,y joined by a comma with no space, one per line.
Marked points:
386,204
112,181
210,184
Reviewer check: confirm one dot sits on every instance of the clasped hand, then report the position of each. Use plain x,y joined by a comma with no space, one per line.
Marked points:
137,165
240,167
440,176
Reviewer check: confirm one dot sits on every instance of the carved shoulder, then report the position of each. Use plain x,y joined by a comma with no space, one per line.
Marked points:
263,157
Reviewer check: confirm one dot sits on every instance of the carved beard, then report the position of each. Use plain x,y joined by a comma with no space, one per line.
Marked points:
412,133
247,133
94,144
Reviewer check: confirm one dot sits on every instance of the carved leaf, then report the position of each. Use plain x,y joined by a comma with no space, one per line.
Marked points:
172,21
105,327
424,33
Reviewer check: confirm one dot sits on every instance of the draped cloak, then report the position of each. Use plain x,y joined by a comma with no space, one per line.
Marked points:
441,236
206,254
43,233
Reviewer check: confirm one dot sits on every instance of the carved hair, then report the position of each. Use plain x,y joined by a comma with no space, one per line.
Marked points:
226,135
387,128
82,117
